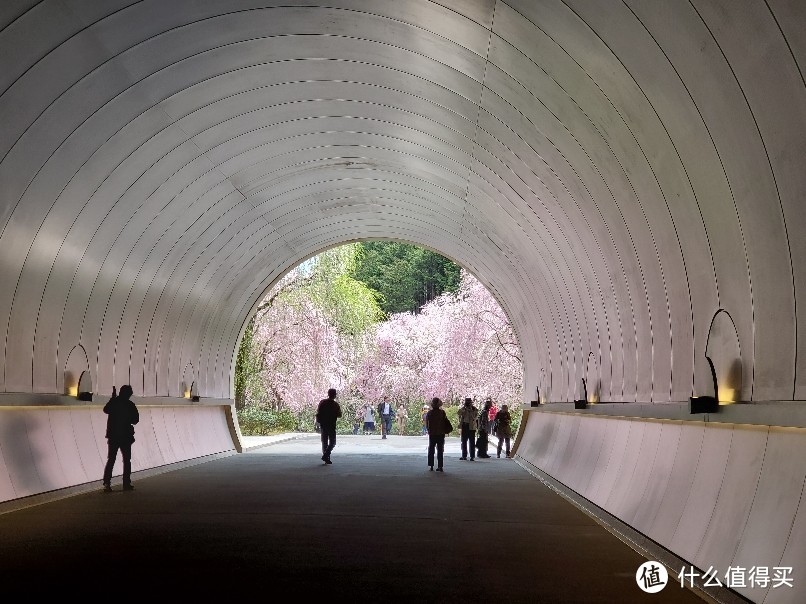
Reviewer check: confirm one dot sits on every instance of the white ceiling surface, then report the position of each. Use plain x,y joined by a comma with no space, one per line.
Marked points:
614,171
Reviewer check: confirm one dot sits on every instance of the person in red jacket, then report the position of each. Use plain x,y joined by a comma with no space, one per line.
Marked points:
492,413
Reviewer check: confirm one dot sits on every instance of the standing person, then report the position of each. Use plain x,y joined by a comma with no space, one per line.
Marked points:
358,419
122,416
327,413
436,422
482,442
503,421
386,412
468,423
493,411
369,419
400,417
423,415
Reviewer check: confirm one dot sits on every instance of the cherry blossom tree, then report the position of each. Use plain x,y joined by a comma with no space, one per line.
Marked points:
458,345
309,332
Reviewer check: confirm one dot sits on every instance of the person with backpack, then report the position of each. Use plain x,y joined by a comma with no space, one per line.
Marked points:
503,428
493,412
122,415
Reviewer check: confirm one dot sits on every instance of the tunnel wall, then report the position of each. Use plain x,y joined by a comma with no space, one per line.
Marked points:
718,495
616,173
45,449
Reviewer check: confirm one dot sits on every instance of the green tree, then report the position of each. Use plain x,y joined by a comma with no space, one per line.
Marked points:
351,305
247,367
405,276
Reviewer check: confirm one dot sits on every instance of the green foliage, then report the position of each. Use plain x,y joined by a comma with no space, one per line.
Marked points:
247,368
305,420
261,421
414,422
350,304
452,411
517,414
405,276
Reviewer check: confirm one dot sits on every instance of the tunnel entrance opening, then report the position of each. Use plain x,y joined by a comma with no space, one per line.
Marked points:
382,322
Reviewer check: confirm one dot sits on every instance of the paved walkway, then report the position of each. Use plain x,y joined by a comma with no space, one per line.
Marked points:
276,523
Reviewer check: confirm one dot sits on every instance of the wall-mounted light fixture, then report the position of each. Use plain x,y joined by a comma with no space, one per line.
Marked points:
536,402
583,403
84,387
706,404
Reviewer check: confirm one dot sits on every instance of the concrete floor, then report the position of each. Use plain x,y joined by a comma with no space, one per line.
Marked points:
275,522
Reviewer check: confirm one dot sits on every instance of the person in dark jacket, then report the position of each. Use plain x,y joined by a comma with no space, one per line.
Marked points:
468,424
482,441
436,423
122,415
327,413
387,413
503,423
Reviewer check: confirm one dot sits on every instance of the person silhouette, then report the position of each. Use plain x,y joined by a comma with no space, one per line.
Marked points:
468,422
436,422
386,412
484,422
122,416
327,413
503,422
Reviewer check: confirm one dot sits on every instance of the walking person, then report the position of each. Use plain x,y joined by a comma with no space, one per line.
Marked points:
386,412
327,413
122,416
400,417
369,419
437,424
503,423
468,423
482,440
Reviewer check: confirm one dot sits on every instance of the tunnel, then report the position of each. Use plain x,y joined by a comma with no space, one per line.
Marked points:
626,177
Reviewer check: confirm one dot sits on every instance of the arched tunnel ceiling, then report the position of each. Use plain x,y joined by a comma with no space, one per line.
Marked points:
615,172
